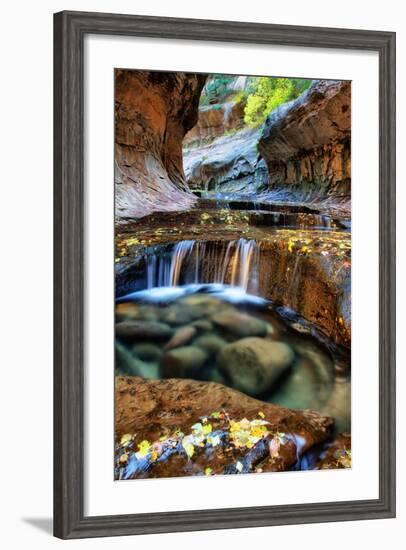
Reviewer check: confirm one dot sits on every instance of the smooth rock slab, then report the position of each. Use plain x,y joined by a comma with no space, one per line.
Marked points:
183,362
133,331
253,365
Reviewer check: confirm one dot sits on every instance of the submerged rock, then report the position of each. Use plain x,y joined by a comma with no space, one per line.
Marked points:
240,324
185,427
175,315
210,343
203,325
127,363
182,362
181,337
253,365
132,331
147,352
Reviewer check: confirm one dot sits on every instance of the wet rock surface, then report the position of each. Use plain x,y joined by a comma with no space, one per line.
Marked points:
167,428
230,163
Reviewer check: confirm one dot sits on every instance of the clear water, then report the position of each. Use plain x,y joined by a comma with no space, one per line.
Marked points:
317,377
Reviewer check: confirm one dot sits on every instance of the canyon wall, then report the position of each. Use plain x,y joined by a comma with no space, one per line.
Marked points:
220,152
306,143
153,112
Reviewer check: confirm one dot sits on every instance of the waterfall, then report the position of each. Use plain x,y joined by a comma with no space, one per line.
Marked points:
244,261
181,251
234,262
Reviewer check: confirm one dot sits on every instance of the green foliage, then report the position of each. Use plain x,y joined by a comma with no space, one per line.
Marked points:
261,94
216,88
267,93
239,96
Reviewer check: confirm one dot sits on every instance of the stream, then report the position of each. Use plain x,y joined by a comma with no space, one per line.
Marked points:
220,293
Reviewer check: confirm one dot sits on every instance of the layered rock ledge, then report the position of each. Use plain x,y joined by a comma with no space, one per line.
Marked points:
306,270
153,112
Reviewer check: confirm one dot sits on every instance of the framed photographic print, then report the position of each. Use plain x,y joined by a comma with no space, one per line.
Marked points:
224,274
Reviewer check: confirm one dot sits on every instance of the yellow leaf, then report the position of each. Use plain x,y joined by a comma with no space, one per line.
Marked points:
123,458
234,426
261,414
125,439
207,428
245,424
290,246
259,431
154,456
144,448
208,471
189,449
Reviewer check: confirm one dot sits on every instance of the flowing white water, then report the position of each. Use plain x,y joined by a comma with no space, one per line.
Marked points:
234,262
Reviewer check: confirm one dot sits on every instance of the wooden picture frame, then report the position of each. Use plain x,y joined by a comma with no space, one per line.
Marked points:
70,30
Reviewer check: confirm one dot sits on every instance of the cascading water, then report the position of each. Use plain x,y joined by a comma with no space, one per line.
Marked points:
235,263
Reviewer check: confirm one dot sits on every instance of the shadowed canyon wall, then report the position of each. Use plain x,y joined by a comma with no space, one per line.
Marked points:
220,152
306,143
153,112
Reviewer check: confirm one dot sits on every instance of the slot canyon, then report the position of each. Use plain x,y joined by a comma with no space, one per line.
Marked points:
232,274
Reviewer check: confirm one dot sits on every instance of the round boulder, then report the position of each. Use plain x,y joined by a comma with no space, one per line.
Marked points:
147,352
183,362
253,365
210,343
